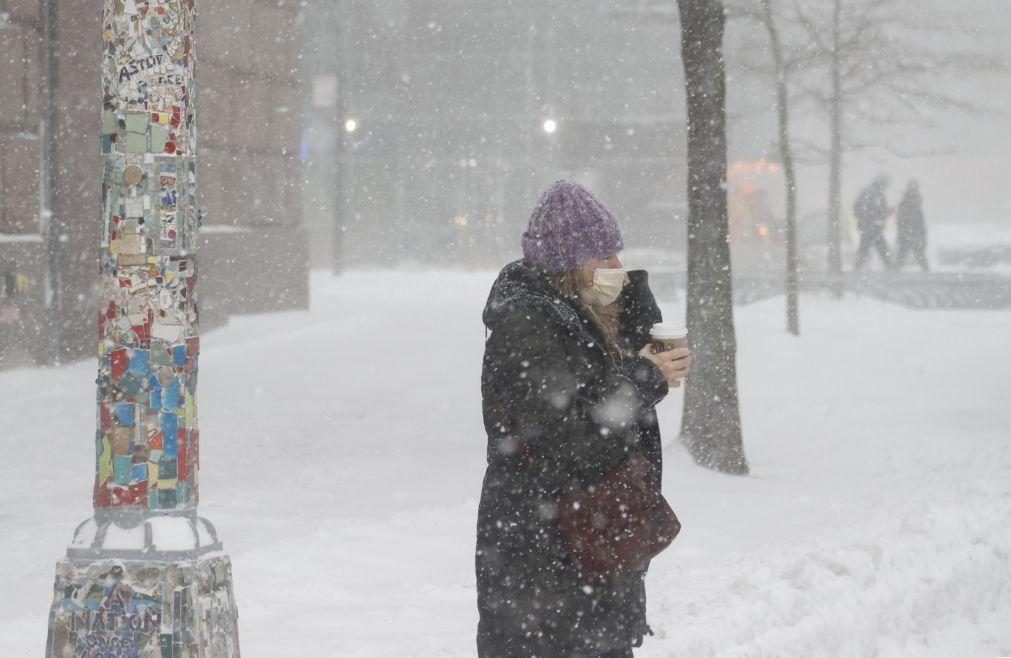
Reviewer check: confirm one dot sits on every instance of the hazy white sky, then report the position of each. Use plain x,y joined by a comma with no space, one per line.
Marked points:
970,182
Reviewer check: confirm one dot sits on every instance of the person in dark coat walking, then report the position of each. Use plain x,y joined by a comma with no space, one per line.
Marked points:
569,385
912,228
871,210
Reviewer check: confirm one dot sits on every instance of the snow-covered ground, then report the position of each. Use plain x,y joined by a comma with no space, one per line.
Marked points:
343,450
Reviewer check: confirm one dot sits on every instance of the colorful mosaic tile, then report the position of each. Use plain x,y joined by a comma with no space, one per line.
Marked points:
143,610
146,578
147,328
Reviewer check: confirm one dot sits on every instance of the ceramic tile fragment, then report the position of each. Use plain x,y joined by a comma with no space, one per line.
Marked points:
148,326
146,443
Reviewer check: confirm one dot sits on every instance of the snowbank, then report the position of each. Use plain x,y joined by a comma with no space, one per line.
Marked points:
343,452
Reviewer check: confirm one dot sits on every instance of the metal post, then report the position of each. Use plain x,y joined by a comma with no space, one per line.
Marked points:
146,573
50,225
339,176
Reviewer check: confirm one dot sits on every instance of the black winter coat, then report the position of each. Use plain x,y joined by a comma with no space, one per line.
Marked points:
912,229
871,210
559,414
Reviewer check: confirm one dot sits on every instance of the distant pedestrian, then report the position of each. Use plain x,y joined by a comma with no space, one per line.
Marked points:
912,228
871,210
569,387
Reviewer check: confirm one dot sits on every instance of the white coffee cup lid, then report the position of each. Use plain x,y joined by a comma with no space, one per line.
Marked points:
668,330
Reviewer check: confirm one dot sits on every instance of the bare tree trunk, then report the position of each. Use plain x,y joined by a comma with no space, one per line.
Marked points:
835,158
786,154
711,424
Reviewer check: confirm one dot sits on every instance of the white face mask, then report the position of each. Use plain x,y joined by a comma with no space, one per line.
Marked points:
606,286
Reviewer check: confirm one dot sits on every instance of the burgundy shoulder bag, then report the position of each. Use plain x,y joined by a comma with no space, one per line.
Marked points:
618,525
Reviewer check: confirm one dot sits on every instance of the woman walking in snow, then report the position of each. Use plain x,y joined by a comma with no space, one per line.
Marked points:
911,233
569,384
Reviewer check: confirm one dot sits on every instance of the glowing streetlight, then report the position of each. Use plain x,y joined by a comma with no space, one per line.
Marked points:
351,125
550,126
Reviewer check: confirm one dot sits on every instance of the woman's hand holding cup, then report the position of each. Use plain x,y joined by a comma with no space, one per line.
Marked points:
674,364
668,349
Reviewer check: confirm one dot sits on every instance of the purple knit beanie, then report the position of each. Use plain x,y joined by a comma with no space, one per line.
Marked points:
569,226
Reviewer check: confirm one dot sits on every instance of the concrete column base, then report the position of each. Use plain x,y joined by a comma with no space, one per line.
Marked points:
111,607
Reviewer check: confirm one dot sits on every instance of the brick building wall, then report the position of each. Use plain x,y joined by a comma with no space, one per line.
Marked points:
253,249
22,252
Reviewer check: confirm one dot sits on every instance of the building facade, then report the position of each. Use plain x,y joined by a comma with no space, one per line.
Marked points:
253,247
442,110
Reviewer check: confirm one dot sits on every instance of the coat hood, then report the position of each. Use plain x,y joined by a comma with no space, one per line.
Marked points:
520,288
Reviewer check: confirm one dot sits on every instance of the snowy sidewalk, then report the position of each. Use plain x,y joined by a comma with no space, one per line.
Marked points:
343,452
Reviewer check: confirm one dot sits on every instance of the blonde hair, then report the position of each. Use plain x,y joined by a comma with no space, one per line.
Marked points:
606,319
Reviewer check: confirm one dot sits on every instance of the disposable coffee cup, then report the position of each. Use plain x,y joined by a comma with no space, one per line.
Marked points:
666,336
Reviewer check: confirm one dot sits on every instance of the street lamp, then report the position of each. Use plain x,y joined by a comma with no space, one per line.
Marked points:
351,125
146,576
550,126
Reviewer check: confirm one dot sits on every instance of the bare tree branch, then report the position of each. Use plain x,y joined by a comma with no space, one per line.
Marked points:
803,145
899,152
810,27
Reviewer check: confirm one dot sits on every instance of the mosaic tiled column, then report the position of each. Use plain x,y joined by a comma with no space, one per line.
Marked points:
146,577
